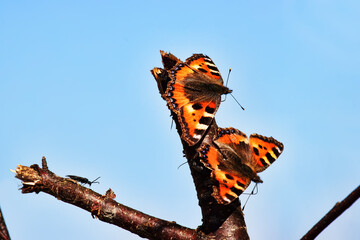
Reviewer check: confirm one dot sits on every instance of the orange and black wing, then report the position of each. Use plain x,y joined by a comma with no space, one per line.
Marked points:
194,94
204,64
258,152
236,159
235,146
230,183
265,150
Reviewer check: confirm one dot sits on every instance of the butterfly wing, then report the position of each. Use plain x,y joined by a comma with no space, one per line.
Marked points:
204,64
235,147
161,75
194,94
265,150
168,60
258,152
236,159
230,184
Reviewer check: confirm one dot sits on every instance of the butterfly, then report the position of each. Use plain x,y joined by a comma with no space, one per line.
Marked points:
234,161
193,93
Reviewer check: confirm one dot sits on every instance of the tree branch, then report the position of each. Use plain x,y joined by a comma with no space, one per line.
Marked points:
223,221
36,179
336,211
4,233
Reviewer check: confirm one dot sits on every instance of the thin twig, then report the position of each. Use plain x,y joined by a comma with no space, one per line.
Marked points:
336,211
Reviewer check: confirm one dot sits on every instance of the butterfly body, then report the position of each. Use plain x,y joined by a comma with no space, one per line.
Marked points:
234,161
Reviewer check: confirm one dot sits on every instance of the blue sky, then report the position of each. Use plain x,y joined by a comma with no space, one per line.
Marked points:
75,86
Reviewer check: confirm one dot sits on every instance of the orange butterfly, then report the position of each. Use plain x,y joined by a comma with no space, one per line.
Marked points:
194,95
235,160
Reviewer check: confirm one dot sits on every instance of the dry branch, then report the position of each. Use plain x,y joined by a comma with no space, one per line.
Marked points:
219,221
104,207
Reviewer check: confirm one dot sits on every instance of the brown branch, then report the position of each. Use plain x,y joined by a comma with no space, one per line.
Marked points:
4,233
104,207
223,221
336,211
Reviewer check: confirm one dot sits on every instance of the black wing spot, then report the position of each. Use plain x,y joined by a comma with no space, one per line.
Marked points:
205,120
256,151
263,162
236,191
228,176
201,70
208,60
270,158
240,184
215,73
277,153
212,68
230,197
209,110
197,106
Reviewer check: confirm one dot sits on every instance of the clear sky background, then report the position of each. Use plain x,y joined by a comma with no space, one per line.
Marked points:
75,86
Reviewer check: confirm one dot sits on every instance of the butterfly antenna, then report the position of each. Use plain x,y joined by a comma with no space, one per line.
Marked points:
252,193
182,165
227,80
237,102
